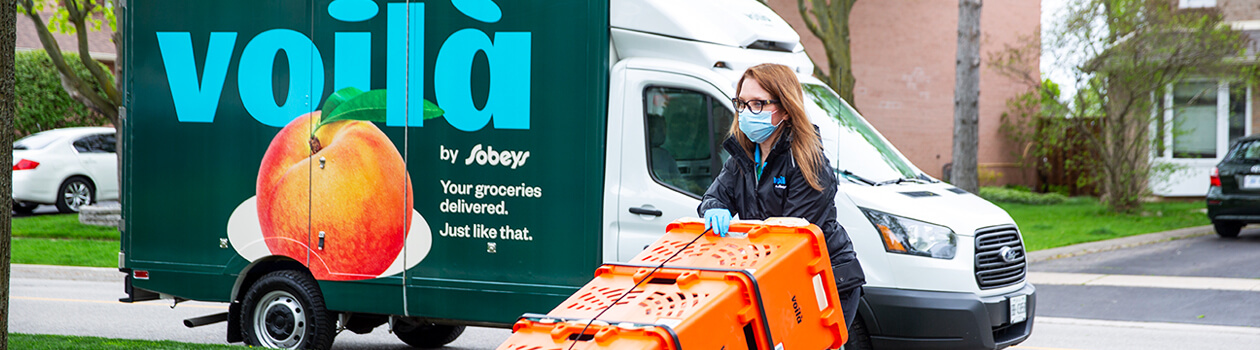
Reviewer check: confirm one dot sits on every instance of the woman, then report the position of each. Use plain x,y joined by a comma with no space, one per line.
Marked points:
777,169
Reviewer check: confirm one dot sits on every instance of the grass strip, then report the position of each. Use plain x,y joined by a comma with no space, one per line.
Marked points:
65,252
59,342
1083,219
60,226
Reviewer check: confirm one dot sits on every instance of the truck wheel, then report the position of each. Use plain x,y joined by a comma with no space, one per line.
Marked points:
425,335
859,337
285,310
1227,229
75,192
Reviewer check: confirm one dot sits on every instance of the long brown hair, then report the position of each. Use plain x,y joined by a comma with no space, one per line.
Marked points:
781,83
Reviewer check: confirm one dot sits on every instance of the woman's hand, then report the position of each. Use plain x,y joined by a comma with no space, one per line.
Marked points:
717,219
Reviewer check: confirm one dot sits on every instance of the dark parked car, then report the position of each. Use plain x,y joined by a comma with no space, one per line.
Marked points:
1233,200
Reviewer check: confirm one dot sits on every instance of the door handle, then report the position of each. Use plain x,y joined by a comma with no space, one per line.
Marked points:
645,211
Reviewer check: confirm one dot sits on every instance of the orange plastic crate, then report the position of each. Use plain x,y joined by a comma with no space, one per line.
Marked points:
540,332
789,260
708,309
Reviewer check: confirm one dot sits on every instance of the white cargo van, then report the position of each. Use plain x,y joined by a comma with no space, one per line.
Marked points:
959,281
507,148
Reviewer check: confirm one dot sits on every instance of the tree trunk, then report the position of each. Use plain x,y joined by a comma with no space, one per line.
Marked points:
8,96
967,98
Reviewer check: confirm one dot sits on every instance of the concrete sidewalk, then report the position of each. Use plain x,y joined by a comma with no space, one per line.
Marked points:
71,273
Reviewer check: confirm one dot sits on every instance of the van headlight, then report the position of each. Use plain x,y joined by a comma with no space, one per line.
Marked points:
908,236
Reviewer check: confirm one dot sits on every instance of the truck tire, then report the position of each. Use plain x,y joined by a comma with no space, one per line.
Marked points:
859,337
285,310
425,335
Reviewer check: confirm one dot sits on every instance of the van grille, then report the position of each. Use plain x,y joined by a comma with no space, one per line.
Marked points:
992,270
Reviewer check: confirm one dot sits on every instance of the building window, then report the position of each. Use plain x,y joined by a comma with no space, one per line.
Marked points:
1190,4
1194,120
1200,119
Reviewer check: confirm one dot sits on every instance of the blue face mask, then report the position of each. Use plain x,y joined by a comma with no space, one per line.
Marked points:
756,126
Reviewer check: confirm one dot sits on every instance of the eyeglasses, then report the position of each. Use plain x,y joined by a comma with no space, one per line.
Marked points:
755,106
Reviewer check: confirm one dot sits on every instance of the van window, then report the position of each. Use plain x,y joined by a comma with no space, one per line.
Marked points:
684,132
859,149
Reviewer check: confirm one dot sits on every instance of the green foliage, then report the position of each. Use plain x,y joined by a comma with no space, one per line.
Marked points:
60,226
100,13
1126,52
1051,142
1085,219
58,342
42,103
1008,195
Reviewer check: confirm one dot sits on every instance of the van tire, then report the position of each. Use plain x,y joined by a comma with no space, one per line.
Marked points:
859,336
425,335
291,310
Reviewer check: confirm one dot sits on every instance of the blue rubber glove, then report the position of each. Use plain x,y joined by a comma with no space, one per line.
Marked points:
718,219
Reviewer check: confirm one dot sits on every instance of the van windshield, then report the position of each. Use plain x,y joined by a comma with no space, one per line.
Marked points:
853,145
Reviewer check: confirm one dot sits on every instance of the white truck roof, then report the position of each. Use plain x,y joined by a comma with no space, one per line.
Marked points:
736,33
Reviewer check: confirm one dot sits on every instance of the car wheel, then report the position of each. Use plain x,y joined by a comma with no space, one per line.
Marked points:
1227,229
859,337
425,335
74,193
285,310
24,207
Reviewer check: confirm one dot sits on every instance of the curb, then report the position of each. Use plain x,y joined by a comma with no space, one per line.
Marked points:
73,273
1117,243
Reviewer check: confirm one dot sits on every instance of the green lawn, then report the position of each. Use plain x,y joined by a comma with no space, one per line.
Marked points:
66,252
59,342
60,226
62,240
1081,219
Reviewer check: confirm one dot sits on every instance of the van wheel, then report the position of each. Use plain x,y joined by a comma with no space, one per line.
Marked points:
425,335
285,310
859,337
1227,229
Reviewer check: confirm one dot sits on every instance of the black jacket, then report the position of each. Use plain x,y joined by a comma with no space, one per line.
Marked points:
783,192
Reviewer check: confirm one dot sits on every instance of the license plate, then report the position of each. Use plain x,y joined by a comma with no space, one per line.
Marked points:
1019,309
1251,181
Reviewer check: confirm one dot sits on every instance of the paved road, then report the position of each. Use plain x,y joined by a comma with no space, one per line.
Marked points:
1197,293
1194,293
78,301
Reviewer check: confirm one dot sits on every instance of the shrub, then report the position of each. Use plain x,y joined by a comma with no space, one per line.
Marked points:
1007,195
42,103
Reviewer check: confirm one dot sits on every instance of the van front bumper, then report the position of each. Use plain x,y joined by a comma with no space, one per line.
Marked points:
909,319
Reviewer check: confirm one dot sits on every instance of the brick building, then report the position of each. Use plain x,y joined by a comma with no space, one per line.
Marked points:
903,58
100,44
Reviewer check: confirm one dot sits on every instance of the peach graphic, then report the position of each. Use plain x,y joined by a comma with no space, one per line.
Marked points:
343,180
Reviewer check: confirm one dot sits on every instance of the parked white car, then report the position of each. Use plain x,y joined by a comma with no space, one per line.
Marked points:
69,168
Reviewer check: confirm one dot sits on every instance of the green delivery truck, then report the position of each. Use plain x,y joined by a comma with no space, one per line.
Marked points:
331,165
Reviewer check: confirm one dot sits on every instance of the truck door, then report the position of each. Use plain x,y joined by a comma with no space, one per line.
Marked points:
672,126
